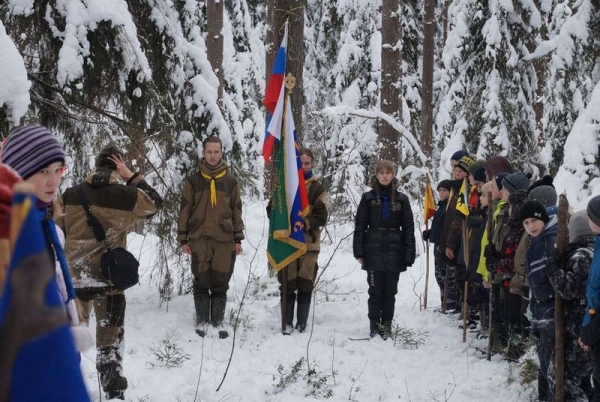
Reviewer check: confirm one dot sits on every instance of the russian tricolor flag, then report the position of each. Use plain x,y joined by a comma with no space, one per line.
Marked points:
274,97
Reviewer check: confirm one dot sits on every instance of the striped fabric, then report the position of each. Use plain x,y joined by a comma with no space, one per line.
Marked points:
27,149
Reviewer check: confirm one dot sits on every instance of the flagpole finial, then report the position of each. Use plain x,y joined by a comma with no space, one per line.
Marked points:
290,82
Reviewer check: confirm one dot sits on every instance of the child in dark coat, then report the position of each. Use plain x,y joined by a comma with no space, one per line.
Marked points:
433,236
384,244
540,264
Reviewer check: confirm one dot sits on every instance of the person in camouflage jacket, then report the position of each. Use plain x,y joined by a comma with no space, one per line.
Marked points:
570,281
302,272
117,207
211,230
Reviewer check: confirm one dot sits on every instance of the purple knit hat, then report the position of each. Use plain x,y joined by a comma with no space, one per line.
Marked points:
27,149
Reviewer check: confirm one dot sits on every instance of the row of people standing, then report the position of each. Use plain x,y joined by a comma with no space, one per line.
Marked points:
515,264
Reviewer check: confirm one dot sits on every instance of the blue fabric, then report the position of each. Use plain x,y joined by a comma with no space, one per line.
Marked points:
47,367
593,283
60,254
385,206
308,175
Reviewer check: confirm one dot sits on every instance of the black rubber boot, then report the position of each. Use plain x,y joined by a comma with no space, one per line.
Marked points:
217,310
202,306
385,330
289,313
303,312
373,328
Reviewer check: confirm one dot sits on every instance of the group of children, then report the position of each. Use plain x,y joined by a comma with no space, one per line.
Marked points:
509,255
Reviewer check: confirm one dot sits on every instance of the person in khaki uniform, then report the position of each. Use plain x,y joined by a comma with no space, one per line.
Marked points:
117,207
211,230
303,271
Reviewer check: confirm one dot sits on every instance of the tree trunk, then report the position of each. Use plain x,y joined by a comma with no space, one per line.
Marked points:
277,13
214,41
427,91
391,76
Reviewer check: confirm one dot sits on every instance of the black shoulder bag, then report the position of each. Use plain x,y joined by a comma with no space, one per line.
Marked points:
118,265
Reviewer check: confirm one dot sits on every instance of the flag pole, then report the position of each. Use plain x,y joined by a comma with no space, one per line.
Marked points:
289,82
427,184
466,258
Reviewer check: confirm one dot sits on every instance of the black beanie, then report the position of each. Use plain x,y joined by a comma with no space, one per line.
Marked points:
102,158
593,209
447,184
499,178
533,209
479,174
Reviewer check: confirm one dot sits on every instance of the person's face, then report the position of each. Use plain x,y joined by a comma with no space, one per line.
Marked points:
47,180
484,200
385,177
443,193
458,173
212,153
504,194
496,195
307,163
533,226
472,180
595,228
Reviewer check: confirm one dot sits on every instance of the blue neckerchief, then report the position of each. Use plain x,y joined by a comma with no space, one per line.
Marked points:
50,228
308,175
385,205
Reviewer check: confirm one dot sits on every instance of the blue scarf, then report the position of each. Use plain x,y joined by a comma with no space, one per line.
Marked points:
50,229
385,205
308,175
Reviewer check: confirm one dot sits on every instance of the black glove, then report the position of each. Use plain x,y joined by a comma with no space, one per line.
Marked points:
426,235
491,264
490,252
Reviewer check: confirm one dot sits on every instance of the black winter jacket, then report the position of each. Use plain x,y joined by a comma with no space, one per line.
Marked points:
385,245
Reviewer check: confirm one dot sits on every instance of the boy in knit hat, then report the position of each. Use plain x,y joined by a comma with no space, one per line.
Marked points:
456,157
540,264
593,293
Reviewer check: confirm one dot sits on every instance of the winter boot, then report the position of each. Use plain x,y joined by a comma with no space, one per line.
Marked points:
303,312
110,373
202,306
373,328
289,313
114,395
385,330
217,309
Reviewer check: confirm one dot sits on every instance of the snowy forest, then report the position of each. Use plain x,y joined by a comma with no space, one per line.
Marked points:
410,81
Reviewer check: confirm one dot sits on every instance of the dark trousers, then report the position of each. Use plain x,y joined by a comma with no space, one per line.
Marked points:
383,286
546,344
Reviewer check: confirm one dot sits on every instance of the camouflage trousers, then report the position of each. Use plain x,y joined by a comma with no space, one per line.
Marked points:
212,265
578,371
109,308
442,268
301,275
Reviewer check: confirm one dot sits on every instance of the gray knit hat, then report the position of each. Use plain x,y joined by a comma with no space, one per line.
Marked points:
27,149
543,191
515,181
102,158
593,209
579,226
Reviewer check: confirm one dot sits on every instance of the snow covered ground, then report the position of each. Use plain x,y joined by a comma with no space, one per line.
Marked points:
268,366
